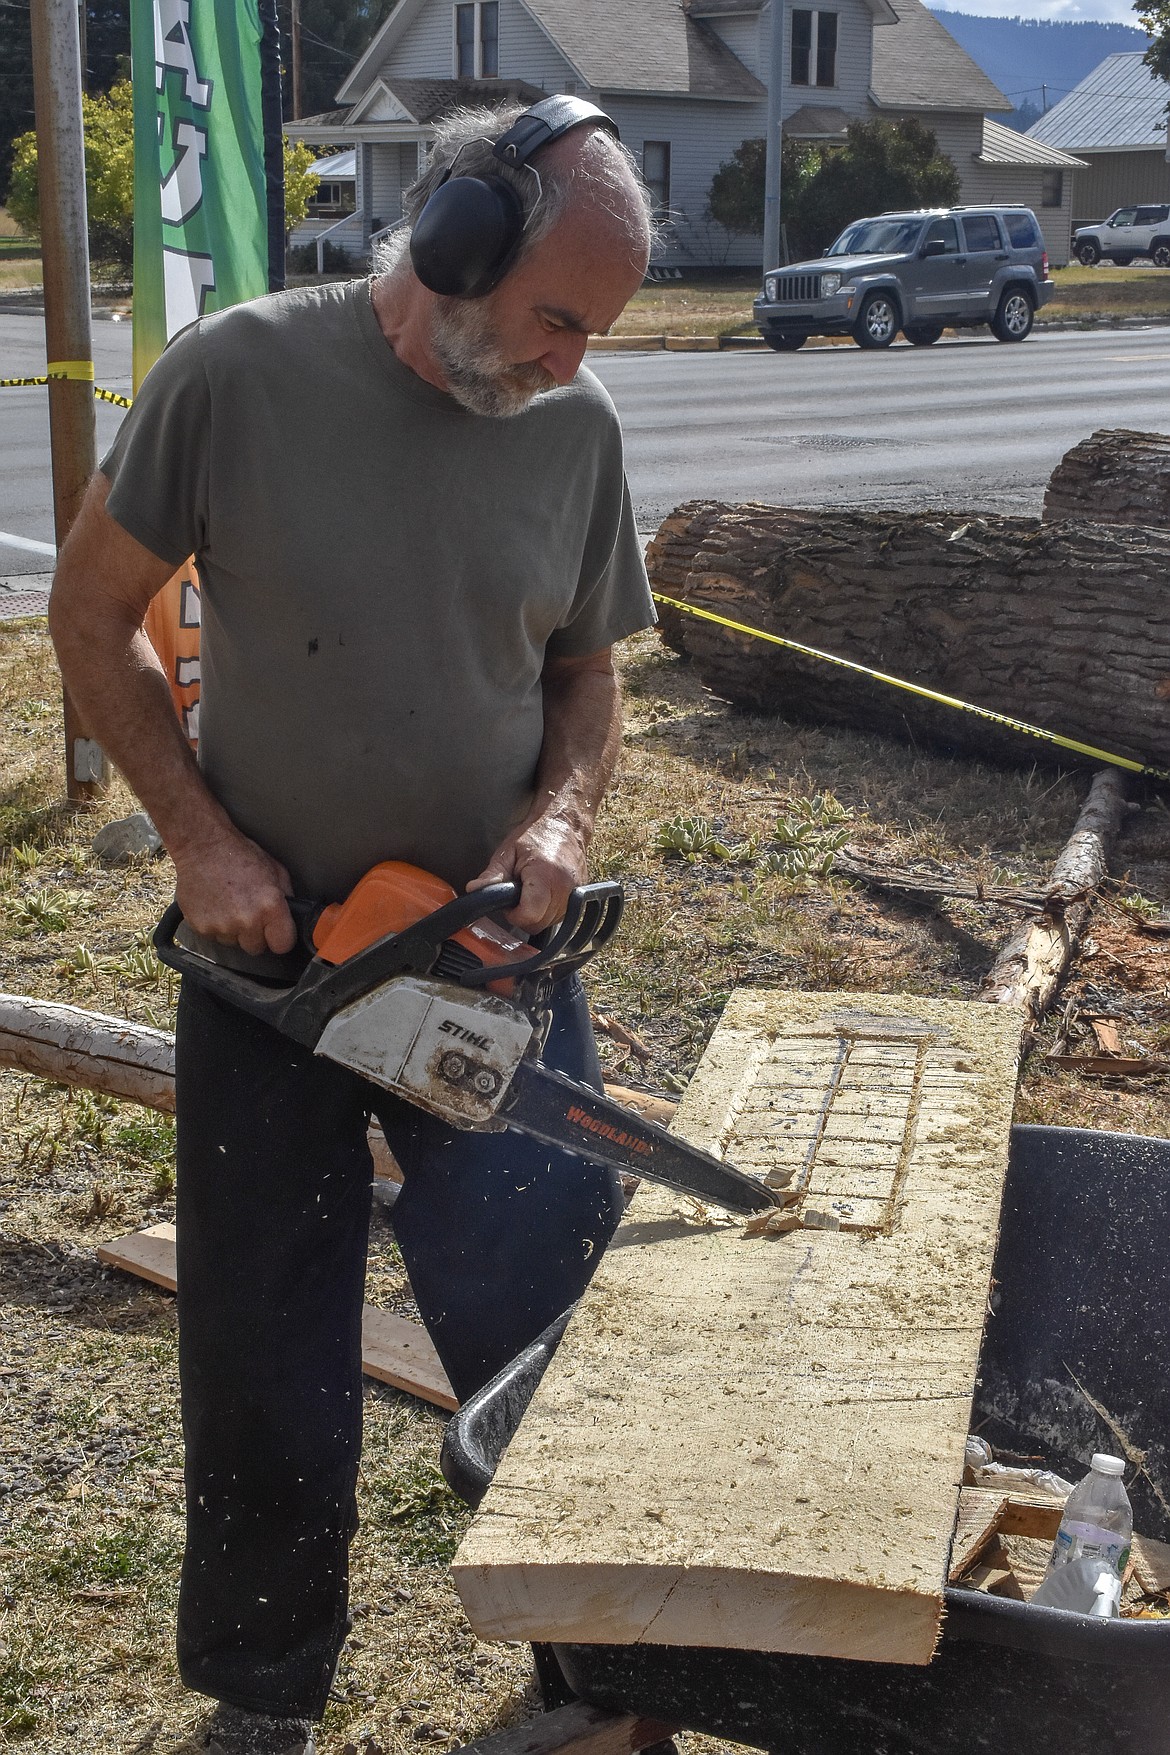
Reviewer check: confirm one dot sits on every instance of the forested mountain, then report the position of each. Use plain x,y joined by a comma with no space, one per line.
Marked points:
1036,62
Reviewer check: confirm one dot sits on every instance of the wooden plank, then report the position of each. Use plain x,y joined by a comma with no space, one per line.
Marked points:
576,1729
758,1442
394,1350
976,1528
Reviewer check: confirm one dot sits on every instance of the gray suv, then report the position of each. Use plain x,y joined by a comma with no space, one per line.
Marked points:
951,267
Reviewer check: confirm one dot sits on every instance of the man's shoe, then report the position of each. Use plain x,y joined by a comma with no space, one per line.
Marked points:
231,1731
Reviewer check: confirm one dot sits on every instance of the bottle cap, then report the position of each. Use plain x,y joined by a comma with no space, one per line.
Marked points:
1108,1465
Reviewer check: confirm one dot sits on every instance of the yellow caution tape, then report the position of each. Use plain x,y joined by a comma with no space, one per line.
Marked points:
79,369
56,373
898,682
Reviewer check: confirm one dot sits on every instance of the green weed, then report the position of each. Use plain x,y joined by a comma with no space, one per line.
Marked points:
50,910
1141,907
419,1512
128,1553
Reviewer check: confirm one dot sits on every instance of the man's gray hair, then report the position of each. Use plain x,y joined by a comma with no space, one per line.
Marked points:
601,177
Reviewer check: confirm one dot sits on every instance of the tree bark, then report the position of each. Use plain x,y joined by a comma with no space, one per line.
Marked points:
1031,966
1115,477
1062,625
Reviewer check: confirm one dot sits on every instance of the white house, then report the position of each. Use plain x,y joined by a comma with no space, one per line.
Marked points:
684,80
1115,120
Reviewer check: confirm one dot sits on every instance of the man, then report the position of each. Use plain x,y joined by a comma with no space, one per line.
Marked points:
416,550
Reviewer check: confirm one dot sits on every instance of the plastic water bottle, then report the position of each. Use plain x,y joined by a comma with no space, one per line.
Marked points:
1097,1528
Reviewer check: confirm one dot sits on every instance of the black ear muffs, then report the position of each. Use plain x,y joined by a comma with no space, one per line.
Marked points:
466,237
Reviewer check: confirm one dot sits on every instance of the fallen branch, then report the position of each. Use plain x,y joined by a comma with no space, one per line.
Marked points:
899,880
1031,966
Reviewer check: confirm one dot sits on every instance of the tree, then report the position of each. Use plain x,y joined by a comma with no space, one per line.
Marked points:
824,187
1154,18
107,58
736,199
334,34
108,123
882,165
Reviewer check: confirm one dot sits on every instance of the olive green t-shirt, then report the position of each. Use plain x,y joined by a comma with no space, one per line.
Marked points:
383,574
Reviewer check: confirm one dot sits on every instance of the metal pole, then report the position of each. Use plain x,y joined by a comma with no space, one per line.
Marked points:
773,148
56,55
83,32
296,59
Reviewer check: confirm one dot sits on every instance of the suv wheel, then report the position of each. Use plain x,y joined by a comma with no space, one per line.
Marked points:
1160,252
878,321
785,343
1013,320
922,334
1089,253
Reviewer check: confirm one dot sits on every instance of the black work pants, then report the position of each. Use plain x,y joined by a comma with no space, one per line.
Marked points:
499,1235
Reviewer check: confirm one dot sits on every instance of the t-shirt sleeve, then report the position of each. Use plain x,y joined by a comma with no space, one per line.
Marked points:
158,466
613,595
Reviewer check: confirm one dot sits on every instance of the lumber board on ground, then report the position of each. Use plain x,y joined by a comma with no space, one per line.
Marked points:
576,1729
758,1443
394,1349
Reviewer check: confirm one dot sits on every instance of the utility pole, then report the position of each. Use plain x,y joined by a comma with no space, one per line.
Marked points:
296,59
773,147
83,33
56,55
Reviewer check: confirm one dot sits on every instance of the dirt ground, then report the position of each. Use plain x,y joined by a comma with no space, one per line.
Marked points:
91,1488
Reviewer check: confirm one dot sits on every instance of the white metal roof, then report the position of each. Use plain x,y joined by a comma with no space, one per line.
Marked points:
1006,146
1119,107
338,167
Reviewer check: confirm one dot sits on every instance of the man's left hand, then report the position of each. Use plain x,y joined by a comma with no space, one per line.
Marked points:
547,858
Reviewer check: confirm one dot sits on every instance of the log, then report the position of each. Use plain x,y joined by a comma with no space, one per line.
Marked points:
757,1443
96,1052
1028,971
1117,476
1062,625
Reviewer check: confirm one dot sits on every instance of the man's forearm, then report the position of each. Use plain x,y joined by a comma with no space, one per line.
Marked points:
119,687
582,740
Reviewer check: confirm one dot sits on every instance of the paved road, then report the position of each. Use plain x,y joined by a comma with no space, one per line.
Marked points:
968,423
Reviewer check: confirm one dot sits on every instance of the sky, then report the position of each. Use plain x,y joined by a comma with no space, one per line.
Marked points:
1111,11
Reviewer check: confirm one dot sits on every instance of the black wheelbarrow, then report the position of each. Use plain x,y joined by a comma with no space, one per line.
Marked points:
1080,1307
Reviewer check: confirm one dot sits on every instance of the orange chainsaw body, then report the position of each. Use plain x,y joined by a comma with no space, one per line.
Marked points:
393,897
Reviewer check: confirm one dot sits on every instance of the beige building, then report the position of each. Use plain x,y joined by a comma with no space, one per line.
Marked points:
1116,122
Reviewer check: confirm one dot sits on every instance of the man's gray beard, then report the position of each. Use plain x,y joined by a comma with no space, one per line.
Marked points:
477,374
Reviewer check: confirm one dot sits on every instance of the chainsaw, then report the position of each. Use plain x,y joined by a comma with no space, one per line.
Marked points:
423,993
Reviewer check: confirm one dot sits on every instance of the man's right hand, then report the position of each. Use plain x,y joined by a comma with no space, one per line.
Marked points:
231,890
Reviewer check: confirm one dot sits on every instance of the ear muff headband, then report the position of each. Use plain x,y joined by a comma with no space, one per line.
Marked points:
467,235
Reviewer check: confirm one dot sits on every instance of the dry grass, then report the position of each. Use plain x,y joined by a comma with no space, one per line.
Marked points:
90,1493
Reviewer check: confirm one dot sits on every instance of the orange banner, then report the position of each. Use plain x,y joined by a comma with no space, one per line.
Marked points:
172,627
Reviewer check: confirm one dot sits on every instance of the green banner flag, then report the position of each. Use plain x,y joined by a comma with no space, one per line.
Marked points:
201,193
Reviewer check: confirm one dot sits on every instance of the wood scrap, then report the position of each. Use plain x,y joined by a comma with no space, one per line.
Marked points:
757,1444
1110,1066
1151,1565
394,1349
1028,971
976,1528
575,1729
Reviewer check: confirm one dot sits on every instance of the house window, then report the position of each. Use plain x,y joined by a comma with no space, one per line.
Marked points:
477,40
814,48
1052,189
656,172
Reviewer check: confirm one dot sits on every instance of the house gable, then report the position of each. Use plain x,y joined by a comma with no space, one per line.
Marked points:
380,104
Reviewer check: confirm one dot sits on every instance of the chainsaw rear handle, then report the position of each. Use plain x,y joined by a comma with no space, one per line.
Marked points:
302,1008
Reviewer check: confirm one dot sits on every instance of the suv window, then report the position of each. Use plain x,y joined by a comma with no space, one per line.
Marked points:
981,232
877,237
1123,216
1021,231
1151,215
946,231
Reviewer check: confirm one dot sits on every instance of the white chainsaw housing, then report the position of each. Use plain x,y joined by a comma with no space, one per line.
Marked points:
448,1049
